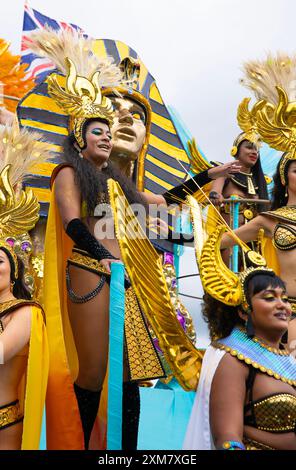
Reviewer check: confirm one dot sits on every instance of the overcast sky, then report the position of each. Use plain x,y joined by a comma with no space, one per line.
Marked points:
193,48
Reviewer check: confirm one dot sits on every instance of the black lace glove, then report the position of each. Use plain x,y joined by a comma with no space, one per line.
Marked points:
178,194
86,241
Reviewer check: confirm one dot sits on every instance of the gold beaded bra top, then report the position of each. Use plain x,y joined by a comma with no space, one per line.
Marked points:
274,413
284,237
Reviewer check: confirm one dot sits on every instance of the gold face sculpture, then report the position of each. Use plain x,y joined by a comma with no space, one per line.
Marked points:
129,129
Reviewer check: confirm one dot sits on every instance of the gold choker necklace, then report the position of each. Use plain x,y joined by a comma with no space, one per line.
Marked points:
281,352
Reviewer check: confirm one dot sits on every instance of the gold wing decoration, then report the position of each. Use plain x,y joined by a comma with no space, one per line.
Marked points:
247,119
217,279
197,164
145,271
279,131
17,215
82,97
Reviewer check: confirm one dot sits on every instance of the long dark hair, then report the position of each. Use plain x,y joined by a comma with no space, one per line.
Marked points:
279,198
259,179
93,182
222,319
19,290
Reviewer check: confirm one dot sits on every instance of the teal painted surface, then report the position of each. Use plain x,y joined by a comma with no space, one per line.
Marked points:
165,412
114,412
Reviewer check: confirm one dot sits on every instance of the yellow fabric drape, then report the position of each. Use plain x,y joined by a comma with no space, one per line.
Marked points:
64,430
269,253
35,382
212,220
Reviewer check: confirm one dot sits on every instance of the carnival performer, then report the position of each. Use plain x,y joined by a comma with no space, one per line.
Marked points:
278,224
23,341
249,182
246,397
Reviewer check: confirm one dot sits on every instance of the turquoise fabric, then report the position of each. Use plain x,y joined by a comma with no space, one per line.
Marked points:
165,412
114,411
42,443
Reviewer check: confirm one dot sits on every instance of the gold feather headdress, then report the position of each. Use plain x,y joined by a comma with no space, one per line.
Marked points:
274,81
247,121
86,74
20,150
57,45
279,129
262,76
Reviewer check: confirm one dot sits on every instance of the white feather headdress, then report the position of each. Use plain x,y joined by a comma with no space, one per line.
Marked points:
262,76
57,45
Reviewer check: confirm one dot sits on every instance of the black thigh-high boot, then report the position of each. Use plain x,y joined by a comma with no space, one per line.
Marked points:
130,415
88,404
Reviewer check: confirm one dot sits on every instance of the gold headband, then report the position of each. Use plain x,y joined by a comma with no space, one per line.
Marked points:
81,99
245,276
278,129
6,246
287,157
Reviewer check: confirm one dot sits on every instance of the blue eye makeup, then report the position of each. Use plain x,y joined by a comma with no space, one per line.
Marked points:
97,131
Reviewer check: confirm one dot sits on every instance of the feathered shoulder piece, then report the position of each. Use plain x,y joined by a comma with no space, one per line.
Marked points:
57,45
21,150
262,76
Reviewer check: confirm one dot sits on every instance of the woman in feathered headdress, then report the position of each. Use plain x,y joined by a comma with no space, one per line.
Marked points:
23,340
273,82
246,398
250,182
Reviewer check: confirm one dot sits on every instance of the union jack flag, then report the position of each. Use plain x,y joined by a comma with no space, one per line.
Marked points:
38,67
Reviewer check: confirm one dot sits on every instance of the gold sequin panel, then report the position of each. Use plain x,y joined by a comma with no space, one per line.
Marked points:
276,413
82,259
250,444
143,359
284,237
10,414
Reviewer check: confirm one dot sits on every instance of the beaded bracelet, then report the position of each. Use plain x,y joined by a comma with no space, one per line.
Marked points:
232,445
